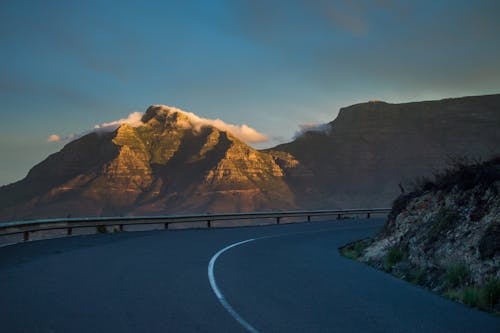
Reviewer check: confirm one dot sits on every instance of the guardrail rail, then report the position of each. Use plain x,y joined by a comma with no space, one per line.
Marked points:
27,227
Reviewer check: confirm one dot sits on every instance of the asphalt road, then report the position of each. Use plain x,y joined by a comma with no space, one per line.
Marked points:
289,279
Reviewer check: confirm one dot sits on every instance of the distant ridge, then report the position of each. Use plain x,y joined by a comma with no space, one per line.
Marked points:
373,147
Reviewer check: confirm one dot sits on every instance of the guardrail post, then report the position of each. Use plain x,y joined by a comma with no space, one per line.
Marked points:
367,215
209,224
278,220
70,231
166,226
339,216
26,236
120,227
308,218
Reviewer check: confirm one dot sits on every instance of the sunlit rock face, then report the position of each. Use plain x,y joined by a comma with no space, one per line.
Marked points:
167,164
373,147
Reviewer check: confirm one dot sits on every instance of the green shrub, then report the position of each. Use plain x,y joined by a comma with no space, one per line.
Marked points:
465,173
456,276
453,294
471,296
355,250
484,297
349,253
490,293
418,277
393,256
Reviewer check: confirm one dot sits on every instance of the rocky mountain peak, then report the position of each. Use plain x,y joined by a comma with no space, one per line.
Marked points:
171,161
167,116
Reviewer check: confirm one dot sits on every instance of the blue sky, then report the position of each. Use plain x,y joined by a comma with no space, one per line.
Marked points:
66,66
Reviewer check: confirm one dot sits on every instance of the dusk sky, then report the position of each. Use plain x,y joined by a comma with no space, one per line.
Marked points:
66,66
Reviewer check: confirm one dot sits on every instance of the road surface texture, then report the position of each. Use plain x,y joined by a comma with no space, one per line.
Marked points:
289,279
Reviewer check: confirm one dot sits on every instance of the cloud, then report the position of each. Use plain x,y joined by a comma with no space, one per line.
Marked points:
278,139
133,119
58,138
54,138
323,128
242,132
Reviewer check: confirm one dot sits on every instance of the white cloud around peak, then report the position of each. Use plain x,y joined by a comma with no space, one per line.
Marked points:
133,119
242,132
323,128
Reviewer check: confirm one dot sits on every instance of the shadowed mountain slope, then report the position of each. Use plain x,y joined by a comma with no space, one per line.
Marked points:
372,147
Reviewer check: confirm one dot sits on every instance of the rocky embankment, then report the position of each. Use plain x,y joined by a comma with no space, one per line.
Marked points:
445,235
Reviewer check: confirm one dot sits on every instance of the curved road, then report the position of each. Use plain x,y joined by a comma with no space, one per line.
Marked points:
289,279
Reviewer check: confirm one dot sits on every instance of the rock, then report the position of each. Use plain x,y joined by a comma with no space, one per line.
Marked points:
402,269
439,232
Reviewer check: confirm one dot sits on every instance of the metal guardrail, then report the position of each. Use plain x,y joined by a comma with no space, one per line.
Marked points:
26,227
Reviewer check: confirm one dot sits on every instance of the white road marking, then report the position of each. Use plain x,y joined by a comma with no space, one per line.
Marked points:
219,294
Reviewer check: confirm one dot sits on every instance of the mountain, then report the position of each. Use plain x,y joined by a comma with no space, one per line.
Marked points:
169,163
371,148
165,165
